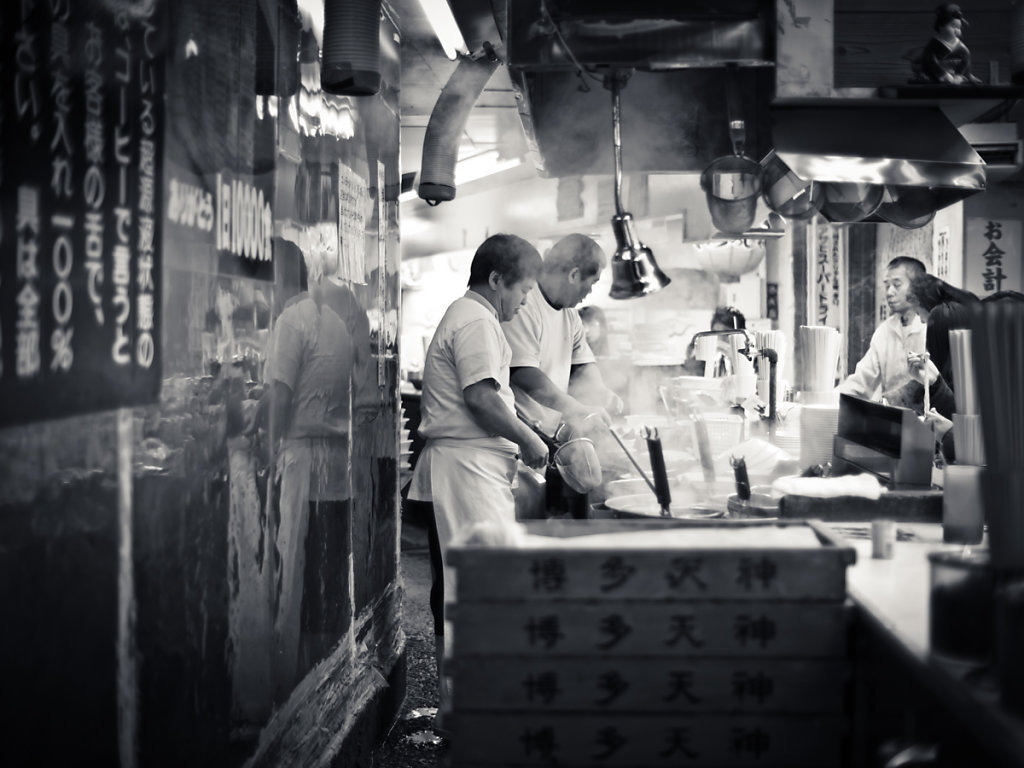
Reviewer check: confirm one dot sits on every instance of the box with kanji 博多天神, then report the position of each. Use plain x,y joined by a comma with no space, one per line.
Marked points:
648,643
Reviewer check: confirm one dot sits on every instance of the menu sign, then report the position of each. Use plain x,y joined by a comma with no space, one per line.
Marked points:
235,218
81,147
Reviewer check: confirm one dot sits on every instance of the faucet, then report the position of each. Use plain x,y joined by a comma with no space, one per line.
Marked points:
748,351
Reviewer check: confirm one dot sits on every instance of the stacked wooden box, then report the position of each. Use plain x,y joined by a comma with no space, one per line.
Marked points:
636,643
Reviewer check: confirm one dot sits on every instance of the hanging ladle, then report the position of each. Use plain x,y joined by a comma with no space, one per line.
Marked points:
629,455
575,458
660,486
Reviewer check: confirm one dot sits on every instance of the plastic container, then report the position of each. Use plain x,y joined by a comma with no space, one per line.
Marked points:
725,431
963,517
961,603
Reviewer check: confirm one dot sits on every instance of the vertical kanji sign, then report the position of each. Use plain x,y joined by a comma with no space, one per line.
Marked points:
992,255
81,149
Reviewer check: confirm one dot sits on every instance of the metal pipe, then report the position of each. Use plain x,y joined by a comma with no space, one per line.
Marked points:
617,139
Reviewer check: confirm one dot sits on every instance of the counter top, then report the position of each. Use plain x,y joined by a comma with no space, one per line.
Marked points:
895,592
894,597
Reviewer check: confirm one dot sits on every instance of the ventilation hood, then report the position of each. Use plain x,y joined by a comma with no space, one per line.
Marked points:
913,150
640,34
696,66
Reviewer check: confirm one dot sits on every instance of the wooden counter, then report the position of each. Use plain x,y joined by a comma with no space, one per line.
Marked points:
894,595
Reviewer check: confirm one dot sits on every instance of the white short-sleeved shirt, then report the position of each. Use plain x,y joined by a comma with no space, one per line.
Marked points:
550,339
312,355
468,347
884,366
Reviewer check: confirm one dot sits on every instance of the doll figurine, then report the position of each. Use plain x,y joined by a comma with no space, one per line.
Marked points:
945,59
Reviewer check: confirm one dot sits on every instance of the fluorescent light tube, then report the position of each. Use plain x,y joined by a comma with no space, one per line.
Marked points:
440,16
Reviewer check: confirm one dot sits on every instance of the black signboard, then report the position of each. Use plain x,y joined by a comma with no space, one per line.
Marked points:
81,152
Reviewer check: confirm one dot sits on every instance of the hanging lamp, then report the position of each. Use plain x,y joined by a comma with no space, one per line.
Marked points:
635,273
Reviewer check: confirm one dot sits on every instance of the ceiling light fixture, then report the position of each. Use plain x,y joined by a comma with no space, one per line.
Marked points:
442,20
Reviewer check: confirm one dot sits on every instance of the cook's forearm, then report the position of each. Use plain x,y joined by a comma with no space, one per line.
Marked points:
537,385
491,413
587,385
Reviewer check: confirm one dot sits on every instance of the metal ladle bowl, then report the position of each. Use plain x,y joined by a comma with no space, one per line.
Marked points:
732,185
578,464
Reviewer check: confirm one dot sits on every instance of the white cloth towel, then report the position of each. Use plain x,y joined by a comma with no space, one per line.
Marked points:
864,486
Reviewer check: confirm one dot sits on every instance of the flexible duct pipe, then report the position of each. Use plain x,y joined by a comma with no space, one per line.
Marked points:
447,122
351,56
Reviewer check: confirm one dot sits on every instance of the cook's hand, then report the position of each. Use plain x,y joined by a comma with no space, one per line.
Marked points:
532,451
939,423
922,368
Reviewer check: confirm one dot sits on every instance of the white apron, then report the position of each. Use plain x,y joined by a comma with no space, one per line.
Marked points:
469,481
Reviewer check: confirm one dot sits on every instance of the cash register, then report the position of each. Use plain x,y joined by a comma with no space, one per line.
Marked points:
889,442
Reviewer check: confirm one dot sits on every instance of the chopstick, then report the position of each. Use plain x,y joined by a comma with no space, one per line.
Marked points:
927,387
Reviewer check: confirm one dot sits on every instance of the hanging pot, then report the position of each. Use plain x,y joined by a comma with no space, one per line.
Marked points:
786,193
908,207
846,202
732,185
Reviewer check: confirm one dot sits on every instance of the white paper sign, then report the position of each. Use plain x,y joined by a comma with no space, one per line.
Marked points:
827,285
353,199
